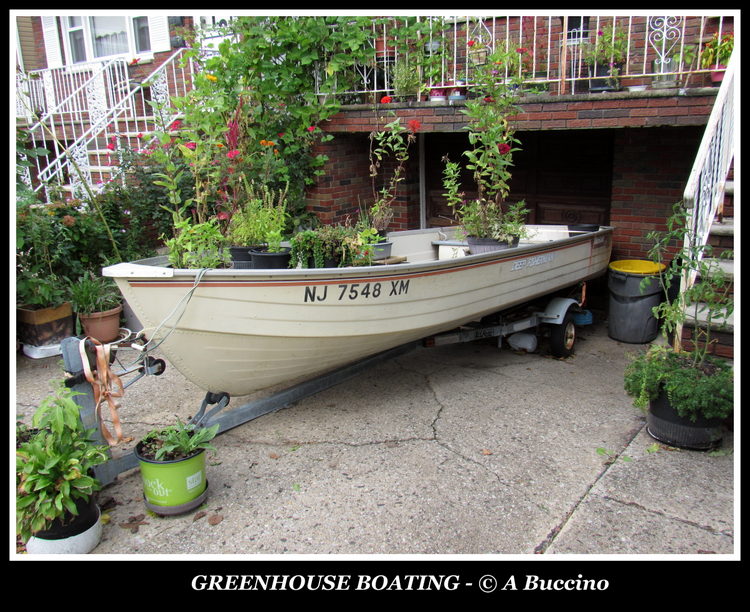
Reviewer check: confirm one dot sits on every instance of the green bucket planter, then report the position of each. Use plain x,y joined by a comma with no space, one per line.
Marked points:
173,487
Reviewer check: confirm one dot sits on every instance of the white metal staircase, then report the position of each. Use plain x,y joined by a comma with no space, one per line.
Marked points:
86,118
710,193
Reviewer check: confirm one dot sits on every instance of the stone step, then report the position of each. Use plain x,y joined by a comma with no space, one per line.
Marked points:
696,316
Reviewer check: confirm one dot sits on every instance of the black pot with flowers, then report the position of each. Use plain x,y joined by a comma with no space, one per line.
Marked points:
605,58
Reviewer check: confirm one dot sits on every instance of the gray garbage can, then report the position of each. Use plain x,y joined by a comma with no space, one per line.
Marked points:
630,308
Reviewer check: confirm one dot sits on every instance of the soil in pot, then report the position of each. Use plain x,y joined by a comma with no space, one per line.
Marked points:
172,486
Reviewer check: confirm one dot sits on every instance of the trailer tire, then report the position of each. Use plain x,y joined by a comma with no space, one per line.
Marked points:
562,337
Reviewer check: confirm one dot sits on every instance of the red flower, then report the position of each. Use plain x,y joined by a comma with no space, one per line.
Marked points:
139,135
386,100
471,43
175,125
503,148
223,216
190,145
414,125
311,128
111,143
233,153
522,50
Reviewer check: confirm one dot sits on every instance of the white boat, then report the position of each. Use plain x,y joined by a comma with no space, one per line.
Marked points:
242,330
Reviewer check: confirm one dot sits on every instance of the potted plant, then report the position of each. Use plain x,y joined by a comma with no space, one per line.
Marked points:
265,223
406,79
391,143
56,511
43,310
245,231
172,460
716,53
687,396
487,223
605,58
98,304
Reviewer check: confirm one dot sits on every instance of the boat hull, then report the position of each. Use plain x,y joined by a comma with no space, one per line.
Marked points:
245,330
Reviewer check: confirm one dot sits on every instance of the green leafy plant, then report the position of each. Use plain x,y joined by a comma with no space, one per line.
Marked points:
90,293
54,465
177,441
324,246
406,78
247,225
198,245
717,51
696,383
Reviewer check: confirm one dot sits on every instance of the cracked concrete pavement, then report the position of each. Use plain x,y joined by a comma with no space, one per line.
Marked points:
464,449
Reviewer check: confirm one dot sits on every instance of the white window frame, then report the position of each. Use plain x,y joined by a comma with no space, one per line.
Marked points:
130,54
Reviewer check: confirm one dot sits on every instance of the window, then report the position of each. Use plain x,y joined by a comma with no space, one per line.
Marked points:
91,38
75,39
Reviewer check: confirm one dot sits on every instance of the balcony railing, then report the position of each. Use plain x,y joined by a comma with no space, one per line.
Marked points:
660,51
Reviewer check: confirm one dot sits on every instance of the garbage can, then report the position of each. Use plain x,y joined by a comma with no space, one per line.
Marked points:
630,308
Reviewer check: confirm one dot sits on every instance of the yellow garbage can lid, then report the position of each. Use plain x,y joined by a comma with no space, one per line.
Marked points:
636,266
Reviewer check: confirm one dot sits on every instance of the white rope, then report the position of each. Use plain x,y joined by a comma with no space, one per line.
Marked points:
179,309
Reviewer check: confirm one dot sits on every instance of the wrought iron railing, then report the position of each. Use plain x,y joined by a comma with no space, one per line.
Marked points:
663,51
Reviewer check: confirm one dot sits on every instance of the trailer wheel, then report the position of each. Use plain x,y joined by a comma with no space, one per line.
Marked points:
562,338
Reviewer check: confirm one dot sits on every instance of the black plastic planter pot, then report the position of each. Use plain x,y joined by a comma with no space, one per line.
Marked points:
486,245
665,425
268,259
241,257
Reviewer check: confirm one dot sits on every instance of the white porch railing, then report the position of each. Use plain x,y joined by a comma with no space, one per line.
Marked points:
663,50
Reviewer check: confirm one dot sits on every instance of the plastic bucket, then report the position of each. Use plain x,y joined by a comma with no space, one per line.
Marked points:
173,487
631,317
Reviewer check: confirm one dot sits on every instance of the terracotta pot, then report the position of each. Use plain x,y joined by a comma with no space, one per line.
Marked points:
104,326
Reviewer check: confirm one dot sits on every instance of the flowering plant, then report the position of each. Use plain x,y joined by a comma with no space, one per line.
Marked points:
513,62
716,52
392,142
489,159
610,47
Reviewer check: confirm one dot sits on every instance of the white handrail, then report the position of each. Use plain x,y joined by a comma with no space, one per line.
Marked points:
81,145
704,192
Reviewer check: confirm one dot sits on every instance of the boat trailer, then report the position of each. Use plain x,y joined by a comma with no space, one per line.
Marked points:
85,375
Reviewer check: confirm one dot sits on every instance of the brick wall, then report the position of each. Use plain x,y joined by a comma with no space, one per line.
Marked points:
650,171
650,168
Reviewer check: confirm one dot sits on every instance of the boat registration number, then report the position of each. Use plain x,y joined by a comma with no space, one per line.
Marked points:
355,291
